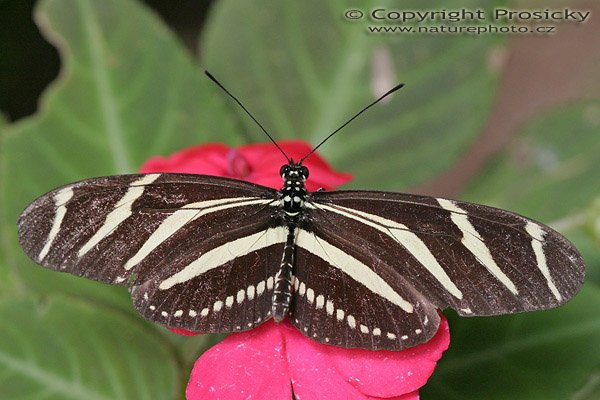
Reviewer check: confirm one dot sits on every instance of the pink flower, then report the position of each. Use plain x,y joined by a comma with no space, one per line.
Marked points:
266,362
258,163
270,361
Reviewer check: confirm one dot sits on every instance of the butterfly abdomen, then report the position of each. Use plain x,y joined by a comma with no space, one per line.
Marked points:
282,291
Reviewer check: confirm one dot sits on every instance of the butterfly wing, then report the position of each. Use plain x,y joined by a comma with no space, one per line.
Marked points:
345,295
152,232
433,253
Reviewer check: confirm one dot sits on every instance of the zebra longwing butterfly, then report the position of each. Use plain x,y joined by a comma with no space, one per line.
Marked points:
361,269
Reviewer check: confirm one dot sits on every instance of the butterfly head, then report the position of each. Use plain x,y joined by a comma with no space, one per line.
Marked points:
293,172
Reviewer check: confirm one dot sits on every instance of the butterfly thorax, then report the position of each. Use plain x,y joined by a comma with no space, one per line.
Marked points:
292,197
293,192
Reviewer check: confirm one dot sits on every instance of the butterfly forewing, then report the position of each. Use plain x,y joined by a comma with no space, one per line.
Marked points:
142,229
478,260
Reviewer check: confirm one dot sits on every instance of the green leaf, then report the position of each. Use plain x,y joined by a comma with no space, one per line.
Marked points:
191,347
303,70
127,91
545,355
589,247
550,173
592,219
67,349
591,389
550,169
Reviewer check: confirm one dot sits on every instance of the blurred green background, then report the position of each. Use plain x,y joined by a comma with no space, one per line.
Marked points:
511,121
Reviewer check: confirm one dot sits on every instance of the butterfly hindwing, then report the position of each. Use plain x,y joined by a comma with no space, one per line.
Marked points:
222,284
350,298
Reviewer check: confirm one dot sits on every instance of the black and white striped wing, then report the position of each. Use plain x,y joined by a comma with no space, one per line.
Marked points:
197,252
372,267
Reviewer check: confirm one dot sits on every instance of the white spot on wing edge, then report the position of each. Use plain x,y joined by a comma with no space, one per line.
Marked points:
241,295
310,295
329,307
60,201
475,244
250,292
320,301
351,321
537,238
260,288
302,289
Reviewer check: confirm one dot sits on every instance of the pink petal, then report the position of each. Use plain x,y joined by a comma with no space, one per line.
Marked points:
409,396
361,374
209,159
313,377
262,162
263,362
266,153
184,332
249,365
391,373
266,160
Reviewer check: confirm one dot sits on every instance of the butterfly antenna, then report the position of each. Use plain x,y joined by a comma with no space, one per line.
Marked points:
212,78
397,87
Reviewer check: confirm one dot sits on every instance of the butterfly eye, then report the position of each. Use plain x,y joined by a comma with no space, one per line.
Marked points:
284,170
304,172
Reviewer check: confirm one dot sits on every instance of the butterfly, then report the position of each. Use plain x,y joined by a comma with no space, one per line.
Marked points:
350,268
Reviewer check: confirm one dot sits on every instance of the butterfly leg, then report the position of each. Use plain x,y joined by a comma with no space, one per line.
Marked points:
282,292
